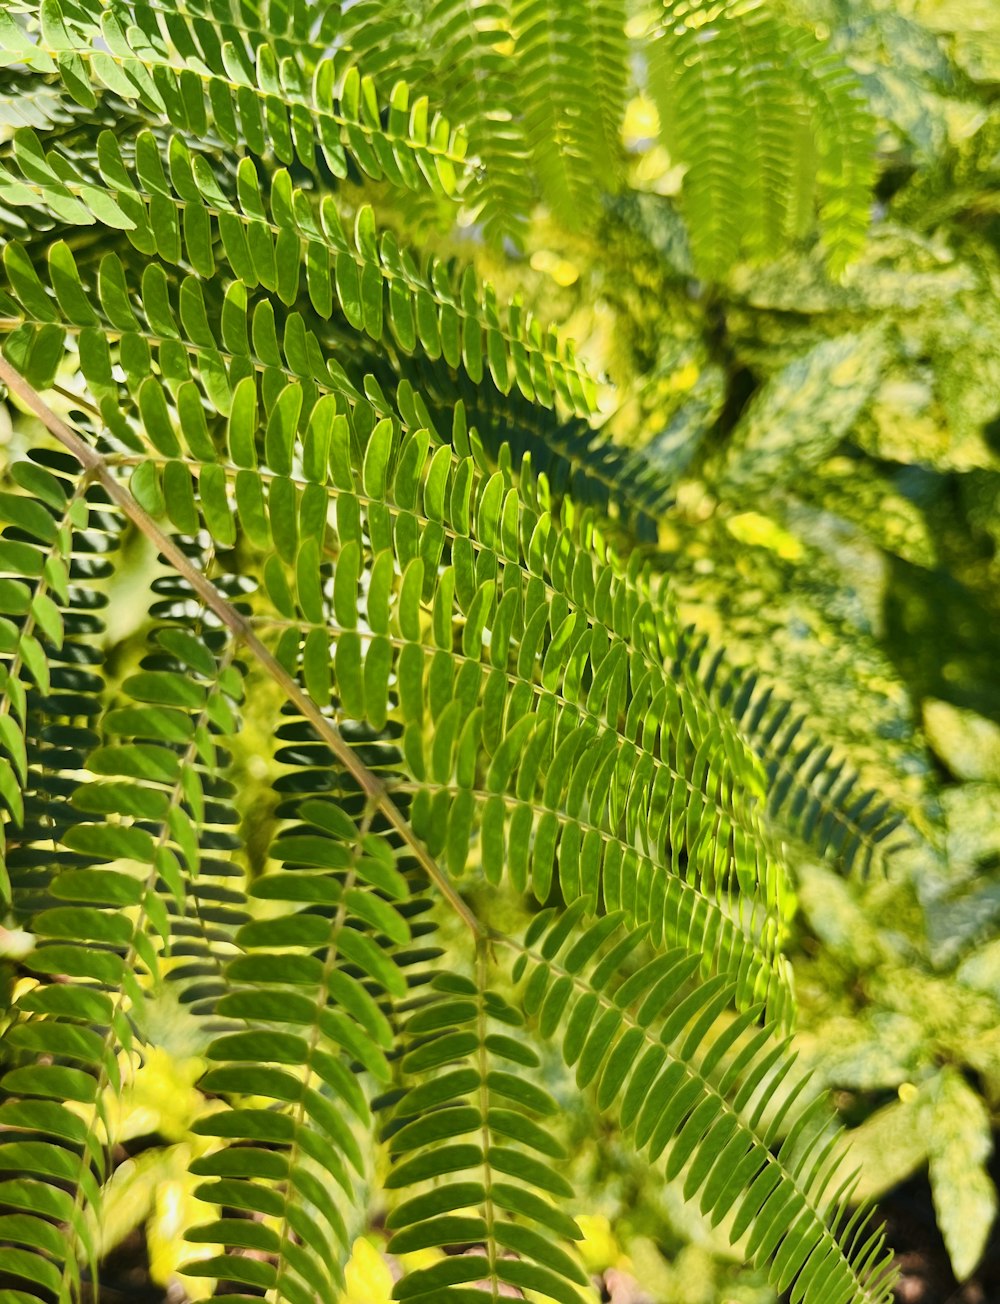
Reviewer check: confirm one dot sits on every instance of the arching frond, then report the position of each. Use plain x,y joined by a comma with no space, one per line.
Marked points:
381,524
589,641
467,40
815,798
300,1014
129,845
845,148
53,550
253,104
363,276
303,30
388,39
716,1098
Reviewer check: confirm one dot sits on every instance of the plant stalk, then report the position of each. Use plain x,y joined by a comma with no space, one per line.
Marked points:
370,784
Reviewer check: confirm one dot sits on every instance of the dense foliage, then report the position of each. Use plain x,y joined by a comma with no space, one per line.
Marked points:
424,739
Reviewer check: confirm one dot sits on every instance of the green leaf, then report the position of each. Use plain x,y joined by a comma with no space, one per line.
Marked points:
960,1142
28,516
282,427
802,413
242,434
111,842
13,741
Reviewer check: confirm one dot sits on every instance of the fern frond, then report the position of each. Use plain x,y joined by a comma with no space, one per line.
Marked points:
694,62
577,460
466,1125
717,1098
365,277
303,30
134,842
845,149
52,545
572,66
368,503
591,641
776,116
738,87
608,50
186,698
388,39
301,1005
60,1042
268,104
472,75
810,795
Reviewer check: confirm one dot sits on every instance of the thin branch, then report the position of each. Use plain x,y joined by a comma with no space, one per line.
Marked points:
371,786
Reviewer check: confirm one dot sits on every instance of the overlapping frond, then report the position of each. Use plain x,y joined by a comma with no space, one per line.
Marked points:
53,549
716,1097
811,794
762,116
301,1013
572,61
270,239
577,460
374,491
186,699
129,845
252,102
758,112
303,30
27,101
458,54
470,68
511,675
590,639
845,147
388,39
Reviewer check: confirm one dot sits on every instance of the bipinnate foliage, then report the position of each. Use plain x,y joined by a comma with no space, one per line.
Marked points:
811,796
766,121
763,117
486,701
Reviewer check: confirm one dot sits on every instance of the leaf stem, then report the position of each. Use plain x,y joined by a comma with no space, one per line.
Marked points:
373,788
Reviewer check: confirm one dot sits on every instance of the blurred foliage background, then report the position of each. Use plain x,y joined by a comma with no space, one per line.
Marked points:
834,520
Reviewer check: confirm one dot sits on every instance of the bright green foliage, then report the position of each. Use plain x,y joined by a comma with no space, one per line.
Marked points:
379,508
760,113
764,117
669,1084
573,60
271,241
478,1127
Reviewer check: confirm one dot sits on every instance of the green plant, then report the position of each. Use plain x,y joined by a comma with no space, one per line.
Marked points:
903,1023
834,521
501,794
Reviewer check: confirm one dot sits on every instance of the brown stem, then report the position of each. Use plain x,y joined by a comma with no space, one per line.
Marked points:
370,784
